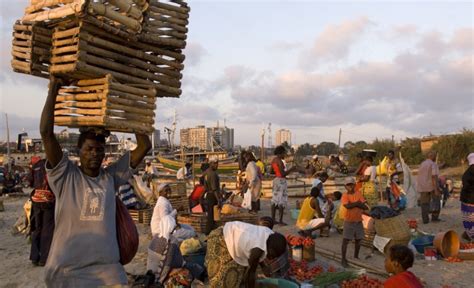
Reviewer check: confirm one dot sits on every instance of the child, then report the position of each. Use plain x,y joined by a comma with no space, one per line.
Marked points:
355,204
399,259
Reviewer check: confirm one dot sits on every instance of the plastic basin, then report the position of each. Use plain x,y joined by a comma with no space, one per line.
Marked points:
197,258
295,213
421,242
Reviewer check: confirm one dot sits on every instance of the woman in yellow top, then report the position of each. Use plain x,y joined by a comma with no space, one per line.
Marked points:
311,217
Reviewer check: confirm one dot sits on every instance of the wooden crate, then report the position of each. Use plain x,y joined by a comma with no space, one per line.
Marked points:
165,23
126,15
196,220
181,204
242,217
31,47
104,102
81,49
142,216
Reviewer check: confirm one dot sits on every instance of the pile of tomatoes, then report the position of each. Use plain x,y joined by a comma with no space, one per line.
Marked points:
452,259
301,271
363,281
299,241
412,223
467,246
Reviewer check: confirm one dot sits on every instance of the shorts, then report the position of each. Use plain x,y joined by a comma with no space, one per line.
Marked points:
353,230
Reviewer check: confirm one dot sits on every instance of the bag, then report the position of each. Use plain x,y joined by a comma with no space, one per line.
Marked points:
247,203
127,234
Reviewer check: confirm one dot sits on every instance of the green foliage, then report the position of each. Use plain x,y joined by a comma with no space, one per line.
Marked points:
304,150
327,148
411,151
453,149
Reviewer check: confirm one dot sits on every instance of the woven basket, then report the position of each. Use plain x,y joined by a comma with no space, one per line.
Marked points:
395,228
142,216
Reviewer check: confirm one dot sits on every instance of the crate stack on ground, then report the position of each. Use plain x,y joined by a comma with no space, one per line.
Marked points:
115,57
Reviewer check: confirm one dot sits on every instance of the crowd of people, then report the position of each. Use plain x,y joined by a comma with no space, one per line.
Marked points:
74,227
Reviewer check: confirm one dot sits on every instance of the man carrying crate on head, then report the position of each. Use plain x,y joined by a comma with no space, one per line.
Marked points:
84,251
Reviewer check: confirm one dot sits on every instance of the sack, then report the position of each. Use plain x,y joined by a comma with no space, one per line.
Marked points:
127,234
247,203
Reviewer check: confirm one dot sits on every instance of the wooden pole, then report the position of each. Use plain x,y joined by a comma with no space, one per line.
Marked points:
335,256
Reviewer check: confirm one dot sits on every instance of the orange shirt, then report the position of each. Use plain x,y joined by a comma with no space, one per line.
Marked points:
403,280
353,214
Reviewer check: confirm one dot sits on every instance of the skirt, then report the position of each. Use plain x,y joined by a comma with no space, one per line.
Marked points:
280,192
467,211
223,271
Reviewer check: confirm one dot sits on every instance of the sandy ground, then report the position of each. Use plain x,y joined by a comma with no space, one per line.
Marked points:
17,271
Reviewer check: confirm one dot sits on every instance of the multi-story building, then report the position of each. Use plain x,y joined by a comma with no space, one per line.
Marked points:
207,138
283,135
156,138
199,137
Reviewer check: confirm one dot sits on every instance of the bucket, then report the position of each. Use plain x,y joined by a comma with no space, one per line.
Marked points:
430,253
309,253
297,253
447,243
295,213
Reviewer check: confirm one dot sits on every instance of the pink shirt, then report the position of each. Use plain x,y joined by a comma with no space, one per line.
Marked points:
427,169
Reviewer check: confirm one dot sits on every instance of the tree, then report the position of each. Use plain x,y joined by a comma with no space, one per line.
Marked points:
411,151
327,148
305,149
453,149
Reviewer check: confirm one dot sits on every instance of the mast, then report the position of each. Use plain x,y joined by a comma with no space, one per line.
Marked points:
8,144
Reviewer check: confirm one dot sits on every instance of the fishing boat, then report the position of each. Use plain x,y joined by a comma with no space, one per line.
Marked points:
226,165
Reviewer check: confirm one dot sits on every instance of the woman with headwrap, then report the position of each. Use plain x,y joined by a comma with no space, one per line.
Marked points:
163,208
467,199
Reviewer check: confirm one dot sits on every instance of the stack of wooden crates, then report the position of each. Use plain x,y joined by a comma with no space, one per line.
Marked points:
114,56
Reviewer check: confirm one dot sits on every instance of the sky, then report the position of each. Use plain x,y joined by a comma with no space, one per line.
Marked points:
371,68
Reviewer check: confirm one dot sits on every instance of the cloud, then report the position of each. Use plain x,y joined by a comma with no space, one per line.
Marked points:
285,46
194,53
403,31
335,41
427,89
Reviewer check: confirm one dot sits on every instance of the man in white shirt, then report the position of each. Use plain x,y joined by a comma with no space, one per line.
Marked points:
319,181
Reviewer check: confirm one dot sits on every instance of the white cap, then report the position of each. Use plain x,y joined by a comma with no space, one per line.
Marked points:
315,156
349,180
470,158
147,161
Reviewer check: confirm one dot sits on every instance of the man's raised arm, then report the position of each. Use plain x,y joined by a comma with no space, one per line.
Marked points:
51,144
143,146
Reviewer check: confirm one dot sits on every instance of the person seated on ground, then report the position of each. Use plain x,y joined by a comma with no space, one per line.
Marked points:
184,173
164,255
311,217
397,261
163,208
336,205
278,267
235,250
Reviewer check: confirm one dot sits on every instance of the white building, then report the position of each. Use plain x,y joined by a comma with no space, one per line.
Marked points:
207,138
283,135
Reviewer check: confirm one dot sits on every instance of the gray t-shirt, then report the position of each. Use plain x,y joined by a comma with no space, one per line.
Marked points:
84,251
